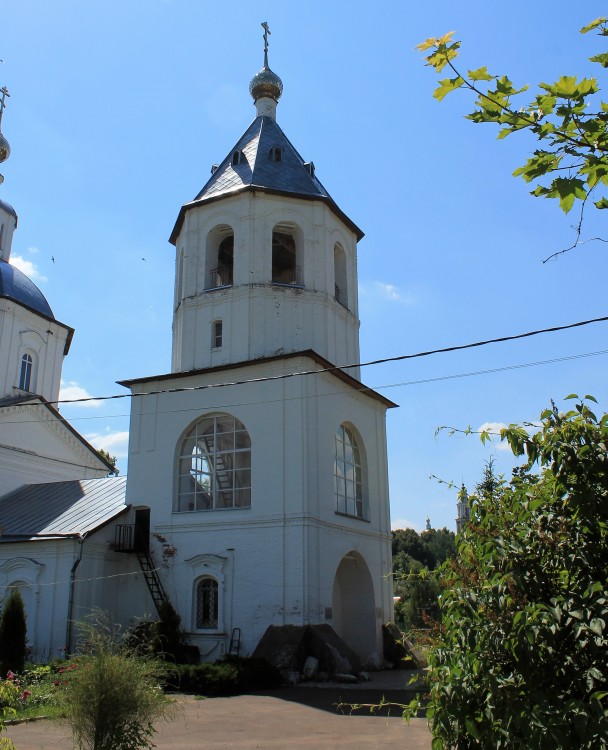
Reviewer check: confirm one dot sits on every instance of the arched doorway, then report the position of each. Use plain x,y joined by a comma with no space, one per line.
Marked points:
354,609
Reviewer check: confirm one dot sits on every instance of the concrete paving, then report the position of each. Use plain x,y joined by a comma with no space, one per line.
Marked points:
298,717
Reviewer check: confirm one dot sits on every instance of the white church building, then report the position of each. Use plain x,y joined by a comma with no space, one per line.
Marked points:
257,489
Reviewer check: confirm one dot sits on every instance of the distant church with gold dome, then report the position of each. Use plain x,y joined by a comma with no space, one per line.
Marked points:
257,491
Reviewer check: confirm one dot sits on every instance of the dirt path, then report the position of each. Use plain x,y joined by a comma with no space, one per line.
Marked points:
290,718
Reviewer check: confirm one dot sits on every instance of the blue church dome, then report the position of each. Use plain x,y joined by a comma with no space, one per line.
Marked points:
8,208
15,285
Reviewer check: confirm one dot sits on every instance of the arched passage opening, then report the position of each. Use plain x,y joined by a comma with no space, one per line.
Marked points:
354,610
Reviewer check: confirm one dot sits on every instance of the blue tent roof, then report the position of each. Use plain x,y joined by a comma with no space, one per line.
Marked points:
257,168
15,285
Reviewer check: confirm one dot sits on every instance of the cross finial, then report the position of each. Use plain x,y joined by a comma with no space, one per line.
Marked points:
266,33
4,92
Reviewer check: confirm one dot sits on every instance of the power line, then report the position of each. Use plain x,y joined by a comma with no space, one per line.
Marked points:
333,368
336,368
362,389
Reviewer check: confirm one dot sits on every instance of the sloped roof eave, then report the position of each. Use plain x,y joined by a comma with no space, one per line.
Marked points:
329,202
37,398
326,366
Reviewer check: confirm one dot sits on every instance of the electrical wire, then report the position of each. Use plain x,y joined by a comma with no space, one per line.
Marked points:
362,389
333,368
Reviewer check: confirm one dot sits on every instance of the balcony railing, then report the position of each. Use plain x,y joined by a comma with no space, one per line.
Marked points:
220,276
287,276
129,537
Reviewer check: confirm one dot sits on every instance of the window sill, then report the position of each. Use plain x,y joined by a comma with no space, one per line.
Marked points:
215,288
349,515
210,510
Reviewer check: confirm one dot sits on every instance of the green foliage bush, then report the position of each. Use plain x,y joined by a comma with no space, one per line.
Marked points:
13,634
233,676
415,558
163,638
114,695
521,662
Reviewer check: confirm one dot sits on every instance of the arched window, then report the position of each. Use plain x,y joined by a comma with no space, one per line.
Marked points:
25,375
220,258
348,474
285,268
341,288
217,334
214,466
206,604
237,158
276,154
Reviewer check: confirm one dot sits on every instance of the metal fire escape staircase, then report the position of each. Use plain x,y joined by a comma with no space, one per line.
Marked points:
127,539
155,587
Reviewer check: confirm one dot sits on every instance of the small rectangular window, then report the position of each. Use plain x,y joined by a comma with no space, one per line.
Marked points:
218,334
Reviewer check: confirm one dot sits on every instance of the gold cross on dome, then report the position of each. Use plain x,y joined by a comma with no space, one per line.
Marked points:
266,33
4,92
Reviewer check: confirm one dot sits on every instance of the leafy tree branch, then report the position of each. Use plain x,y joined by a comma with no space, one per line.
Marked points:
571,164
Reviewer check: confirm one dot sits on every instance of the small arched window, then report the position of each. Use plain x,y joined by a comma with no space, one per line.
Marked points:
206,604
214,466
237,158
348,474
25,375
276,154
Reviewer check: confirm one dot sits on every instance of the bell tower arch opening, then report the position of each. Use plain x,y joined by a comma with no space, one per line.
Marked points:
287,241
340,283
219,257
353,604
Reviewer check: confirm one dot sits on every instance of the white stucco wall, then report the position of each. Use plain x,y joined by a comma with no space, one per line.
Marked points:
36,447
103,580
261,318
23,331
276,561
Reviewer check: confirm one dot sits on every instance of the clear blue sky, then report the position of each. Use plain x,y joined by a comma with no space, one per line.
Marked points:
118,109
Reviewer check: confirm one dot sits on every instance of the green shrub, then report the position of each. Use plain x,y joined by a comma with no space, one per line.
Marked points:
232,676
521,659
114,695
163,638
13,634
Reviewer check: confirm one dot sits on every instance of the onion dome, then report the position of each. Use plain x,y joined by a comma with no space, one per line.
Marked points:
266,84
5,149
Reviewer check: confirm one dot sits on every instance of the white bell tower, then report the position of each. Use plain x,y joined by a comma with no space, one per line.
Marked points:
266,262
260,456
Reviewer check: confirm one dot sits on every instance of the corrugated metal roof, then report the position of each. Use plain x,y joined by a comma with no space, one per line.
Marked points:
74,507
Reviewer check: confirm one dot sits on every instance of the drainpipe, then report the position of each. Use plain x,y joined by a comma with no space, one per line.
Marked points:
68,631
